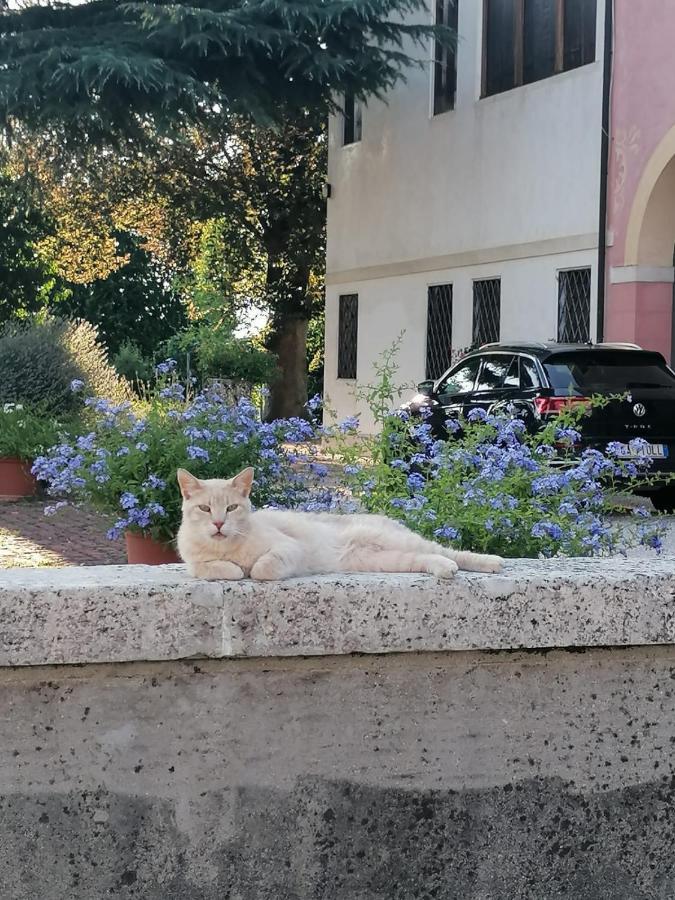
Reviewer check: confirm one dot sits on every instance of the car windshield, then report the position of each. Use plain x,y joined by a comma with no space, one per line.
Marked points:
608,373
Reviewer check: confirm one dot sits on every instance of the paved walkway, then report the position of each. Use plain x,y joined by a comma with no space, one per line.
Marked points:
72,537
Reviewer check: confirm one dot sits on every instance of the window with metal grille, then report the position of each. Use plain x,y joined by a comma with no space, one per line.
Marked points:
487,298
527,40
445,59
574,306
439,329
352,120
348,331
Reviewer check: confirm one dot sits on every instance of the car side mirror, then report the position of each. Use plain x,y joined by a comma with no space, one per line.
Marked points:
426,388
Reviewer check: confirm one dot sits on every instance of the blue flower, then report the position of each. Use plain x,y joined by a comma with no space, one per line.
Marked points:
128,500
123,451
197,453
142,447
349,424
86,442
416,482
547,529
76,385
477,415
173,392
165,367
153,482
446,532
352,470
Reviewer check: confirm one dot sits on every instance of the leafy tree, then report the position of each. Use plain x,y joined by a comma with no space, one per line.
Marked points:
256,77
104,69
27,282
136,303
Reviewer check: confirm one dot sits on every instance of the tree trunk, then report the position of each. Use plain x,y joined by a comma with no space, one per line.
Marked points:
288,394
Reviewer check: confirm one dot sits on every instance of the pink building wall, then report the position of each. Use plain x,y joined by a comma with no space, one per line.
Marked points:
639,297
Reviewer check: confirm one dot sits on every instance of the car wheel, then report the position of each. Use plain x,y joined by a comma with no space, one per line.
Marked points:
664,500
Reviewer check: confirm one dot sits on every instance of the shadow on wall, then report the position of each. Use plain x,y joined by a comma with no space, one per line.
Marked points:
532,840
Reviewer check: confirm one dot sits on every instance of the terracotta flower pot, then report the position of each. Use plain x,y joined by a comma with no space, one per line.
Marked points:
16,479
144,550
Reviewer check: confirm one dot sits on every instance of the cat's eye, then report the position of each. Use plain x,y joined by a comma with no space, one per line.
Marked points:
205,508
232,507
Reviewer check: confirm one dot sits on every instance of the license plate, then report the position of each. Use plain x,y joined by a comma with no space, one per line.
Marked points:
644,451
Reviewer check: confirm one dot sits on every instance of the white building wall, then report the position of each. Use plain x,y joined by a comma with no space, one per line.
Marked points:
506,186
390,306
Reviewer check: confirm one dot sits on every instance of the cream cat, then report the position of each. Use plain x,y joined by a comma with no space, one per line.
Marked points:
221,538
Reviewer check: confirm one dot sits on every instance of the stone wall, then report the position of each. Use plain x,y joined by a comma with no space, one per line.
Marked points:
325,766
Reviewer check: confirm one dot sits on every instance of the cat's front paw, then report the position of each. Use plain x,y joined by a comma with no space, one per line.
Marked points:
490,564
269,567
216,570
442,567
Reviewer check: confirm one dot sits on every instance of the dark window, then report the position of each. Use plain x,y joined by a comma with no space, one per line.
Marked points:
486,311
579,35
493,372
445,59
439,329
539,33
462,380
512,379
348,330
527,40
574,306
613,372
529,377
499,49
353,120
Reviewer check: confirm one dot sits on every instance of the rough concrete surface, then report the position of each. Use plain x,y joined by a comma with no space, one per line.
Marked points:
128,613
461,776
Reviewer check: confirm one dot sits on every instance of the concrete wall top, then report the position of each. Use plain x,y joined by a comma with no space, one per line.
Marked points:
135,613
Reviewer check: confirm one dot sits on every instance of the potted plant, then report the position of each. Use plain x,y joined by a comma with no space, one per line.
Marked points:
125,461
24,433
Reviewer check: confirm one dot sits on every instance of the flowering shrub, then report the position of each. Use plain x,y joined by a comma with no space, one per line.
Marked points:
126,461
25,432
494,487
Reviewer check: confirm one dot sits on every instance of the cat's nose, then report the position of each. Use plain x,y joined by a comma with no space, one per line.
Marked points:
218,525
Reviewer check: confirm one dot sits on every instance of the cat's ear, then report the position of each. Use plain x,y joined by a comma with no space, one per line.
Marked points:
243,482
188,483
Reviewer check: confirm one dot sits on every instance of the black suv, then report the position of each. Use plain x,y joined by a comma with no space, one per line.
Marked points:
540,378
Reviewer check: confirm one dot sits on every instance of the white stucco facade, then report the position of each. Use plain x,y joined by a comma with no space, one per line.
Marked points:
501,187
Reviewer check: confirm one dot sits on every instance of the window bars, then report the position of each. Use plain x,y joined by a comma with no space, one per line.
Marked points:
574,306
439,330
348,330
487,295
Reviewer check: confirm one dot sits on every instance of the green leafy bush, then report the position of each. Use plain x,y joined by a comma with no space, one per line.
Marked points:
25,433
40,359
215,353
131,364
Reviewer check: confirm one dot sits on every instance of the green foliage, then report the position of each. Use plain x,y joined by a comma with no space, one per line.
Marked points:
26,281
25,433
315,352
215,353
102,69
135,303
40,358
132,365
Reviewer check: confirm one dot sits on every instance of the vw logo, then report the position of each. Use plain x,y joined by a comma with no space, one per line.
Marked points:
639,410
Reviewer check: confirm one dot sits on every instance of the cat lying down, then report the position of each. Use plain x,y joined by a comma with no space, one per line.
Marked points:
220,537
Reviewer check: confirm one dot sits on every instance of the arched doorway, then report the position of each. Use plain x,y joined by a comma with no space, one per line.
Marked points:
641,299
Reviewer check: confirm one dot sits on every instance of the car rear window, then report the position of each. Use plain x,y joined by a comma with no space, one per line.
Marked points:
612,373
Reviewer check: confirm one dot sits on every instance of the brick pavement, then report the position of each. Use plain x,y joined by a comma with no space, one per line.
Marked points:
72,537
